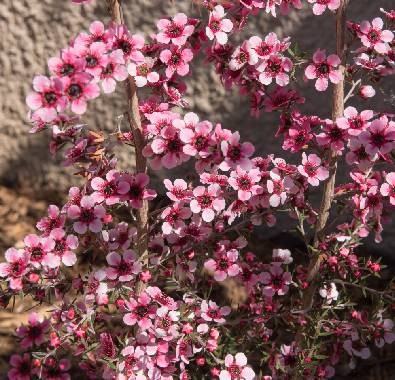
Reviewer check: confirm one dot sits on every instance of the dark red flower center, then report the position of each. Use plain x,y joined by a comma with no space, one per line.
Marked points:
91,60
50,97
74,90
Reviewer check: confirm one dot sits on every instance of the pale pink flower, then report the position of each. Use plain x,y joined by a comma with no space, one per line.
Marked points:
332,136
174,217
218,26
311,169
39,249
110,189
282,256
320,5
113,71
329,292
276,281
122,267
224,265
210,311
271,45
177,30
64,246
33,334
94,56
130,45
176,60
15,267
236,368
197,140
67,64
245,182
379,137
278,186
138,191
89,215
208,201
358,350
384,332
242,56
79,89
142,312
275,67
353,121
236,153
323,69
373,36
48,98
142,72
178,190
366,92
53,220
387,189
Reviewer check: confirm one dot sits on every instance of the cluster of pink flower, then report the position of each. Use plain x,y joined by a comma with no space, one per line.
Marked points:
178,322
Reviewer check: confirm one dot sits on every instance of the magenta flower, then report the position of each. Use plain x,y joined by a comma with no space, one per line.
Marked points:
374,37
245,182
275,67
142,72
39,250
323,69
176,60
15,267
388,189
276,281
236,368
177,30
64,247
130,45
379,137
320,5
224,265
110,189
311,169
89,215
113,71
122,267
210,311
236,153
353,121
21,367
207,201
33,334
218,26
79,89
54,369
177,191
142,312
137,189
94,56
53,220
48,98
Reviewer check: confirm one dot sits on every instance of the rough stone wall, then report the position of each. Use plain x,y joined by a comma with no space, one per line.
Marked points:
33,30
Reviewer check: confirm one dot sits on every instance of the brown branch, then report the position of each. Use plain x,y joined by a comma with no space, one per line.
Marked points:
331,159
115,10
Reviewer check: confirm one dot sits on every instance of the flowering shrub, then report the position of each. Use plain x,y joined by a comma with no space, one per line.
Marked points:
149,304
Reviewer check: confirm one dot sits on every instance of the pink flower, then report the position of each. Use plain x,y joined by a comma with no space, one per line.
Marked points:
245,183
15,267
48,98
33,334
89,215
64,246
323,69
142,312
21,367
207,201
332,136
276,281
320,5
79,89
218,26
174,217
223,265
278,187
176,60
177,191
384,332
311,169
94,56
210,311
177,30
54,369
379,137
122,267
197,139
372,35
39,250
354,122
142,72
138,191
366,92
130,45
388,189
54,220
67,64
236,153
269,46
109,190
113,70
242,56
236,368
275,67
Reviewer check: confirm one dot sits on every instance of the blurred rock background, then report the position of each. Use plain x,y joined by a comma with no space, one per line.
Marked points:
33,30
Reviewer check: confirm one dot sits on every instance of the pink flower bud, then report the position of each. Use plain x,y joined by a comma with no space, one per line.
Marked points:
366,92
